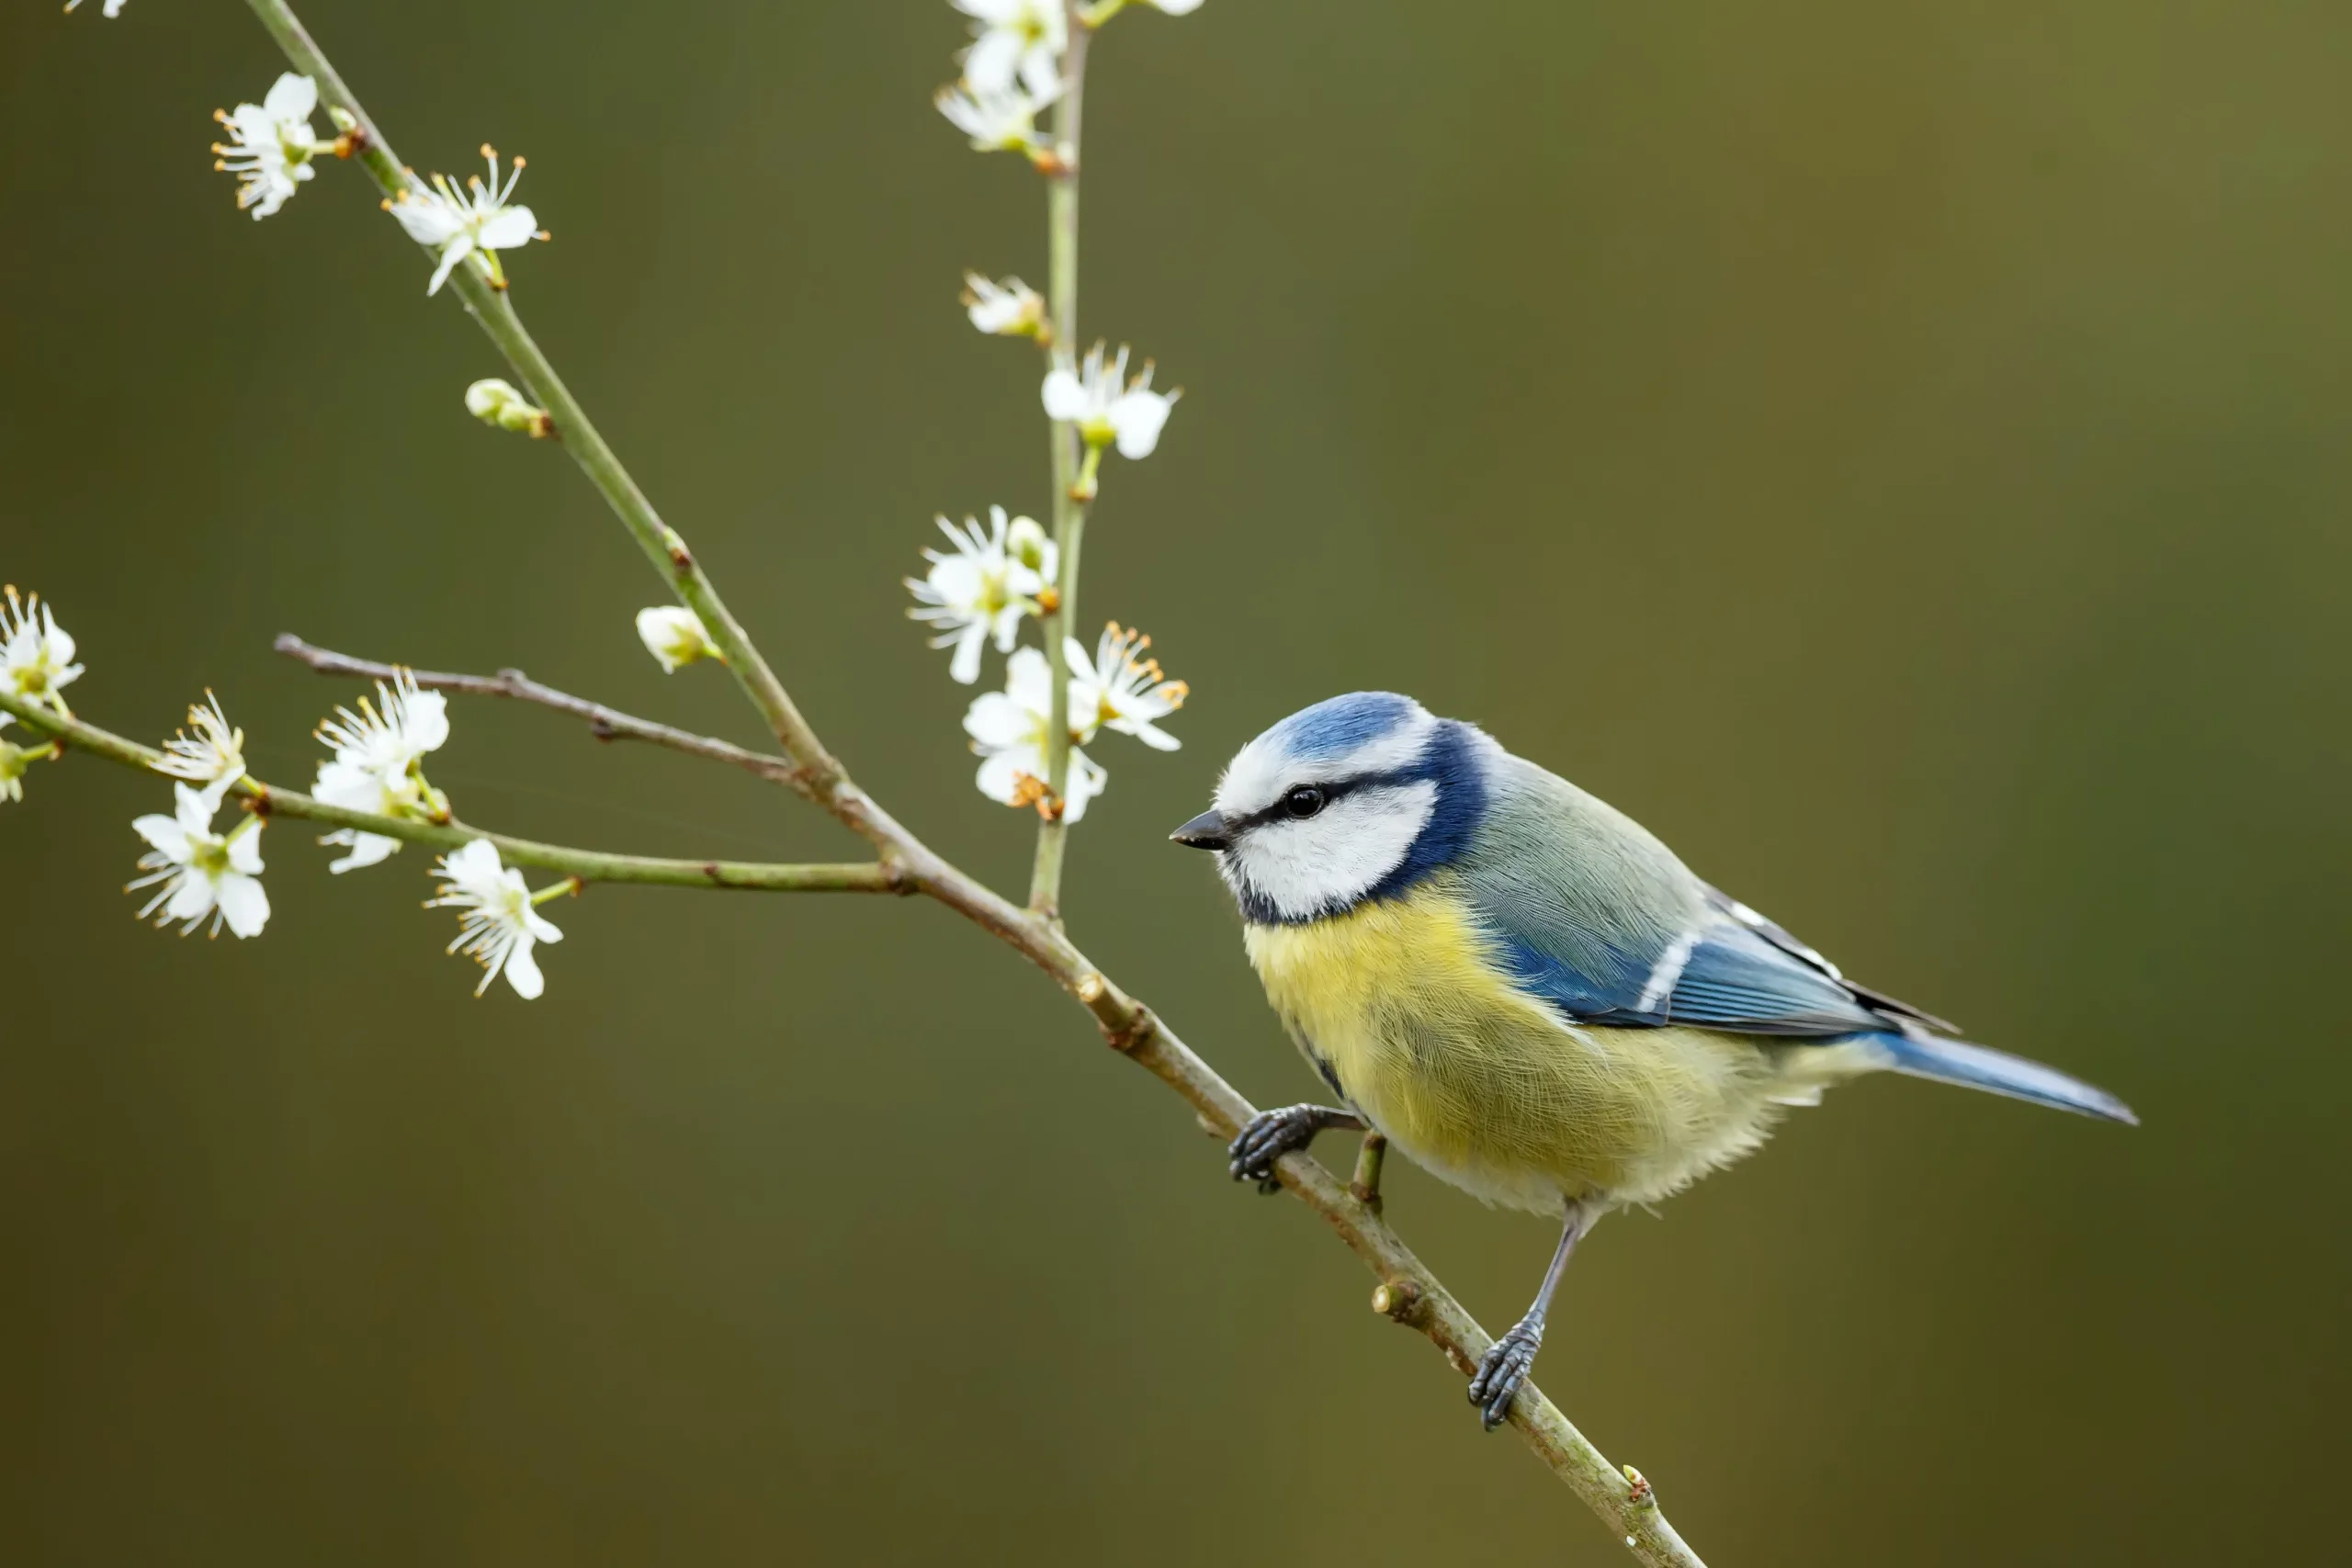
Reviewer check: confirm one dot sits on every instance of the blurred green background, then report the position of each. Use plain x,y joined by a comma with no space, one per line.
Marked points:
1898,453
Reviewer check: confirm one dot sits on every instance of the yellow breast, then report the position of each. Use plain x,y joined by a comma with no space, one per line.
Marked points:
1405,1003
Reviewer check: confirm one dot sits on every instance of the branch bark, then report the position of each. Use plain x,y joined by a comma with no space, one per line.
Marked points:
605,722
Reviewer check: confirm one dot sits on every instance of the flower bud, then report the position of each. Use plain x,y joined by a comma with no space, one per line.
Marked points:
675,636
498,404
1027,543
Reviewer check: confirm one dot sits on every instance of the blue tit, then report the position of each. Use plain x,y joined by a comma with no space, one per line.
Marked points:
1523,989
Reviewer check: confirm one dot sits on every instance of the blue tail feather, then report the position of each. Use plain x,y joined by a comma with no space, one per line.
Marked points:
1997,1072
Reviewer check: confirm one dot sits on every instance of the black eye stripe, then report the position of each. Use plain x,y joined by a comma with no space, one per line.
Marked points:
1280,810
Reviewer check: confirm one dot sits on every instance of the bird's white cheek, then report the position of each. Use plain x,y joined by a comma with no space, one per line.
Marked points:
1326,863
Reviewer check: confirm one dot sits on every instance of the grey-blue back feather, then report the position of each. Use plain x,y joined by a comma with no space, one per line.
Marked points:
1602,919
1582,897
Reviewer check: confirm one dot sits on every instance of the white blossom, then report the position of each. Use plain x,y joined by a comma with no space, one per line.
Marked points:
1009,731
36,653
1122,689
999,122
271,144
1015,41
498,924
983,587
378,764
1104,405
459,222
213,757
113,7
675,636
202,873
1010,309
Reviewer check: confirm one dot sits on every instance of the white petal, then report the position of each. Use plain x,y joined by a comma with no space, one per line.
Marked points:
192,899
274,188
1041,69
1137,418
292,97
349,785
367,849
244,852
1029,680
166,834
989,65
427,218
995,315
217,790
539,927
476,860
194,814
1065,398
243,905
1000,774
1086,779
523,972
253,125
458,248
1149,733
965,668
994,720
958,581
428,721
512,227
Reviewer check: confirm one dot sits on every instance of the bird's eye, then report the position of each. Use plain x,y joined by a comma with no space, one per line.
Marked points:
1304,801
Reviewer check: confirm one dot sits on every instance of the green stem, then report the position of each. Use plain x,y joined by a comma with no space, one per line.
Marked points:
1069,513
589,865
822,775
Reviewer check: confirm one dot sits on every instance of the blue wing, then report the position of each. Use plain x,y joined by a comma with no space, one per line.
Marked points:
1731,970
1601,919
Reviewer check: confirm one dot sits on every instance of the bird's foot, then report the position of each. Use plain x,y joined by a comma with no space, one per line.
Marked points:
1273,1134
1504,1370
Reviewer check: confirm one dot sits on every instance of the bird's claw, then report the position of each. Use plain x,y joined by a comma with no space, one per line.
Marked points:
1504,1370
1269,1135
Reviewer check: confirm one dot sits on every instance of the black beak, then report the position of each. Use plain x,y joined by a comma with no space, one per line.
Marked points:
1205,832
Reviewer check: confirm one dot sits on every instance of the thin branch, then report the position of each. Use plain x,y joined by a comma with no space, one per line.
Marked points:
661,545
606,724
1365,1186
588,865
1069,513
1125,1022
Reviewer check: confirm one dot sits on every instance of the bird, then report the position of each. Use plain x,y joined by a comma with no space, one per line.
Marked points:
1524,990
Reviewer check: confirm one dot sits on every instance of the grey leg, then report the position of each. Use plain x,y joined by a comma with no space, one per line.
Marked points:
1507,1362
1273,1134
